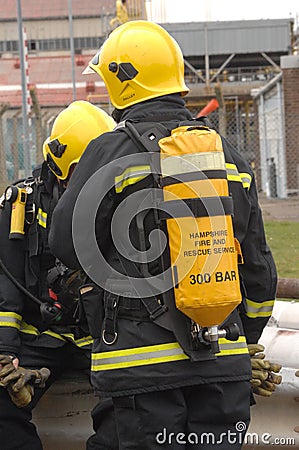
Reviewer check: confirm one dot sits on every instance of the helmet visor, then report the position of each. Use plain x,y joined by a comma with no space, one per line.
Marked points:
94,61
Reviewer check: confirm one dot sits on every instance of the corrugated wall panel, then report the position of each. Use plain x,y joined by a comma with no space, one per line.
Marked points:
232,37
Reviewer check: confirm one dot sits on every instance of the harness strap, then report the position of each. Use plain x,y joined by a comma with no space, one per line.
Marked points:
194,176
199,207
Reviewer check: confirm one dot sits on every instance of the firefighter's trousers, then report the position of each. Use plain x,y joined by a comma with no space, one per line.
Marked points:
17,432
206,417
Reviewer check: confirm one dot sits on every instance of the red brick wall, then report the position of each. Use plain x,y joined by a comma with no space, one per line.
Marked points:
290,84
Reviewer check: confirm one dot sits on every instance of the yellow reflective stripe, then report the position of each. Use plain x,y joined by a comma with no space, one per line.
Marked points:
234,175
30,329
246,180
27,331
139,356
174,165
255,309
37,333
52,334
228,348
86,340
155,354
131,176
42,218
10,319
232,172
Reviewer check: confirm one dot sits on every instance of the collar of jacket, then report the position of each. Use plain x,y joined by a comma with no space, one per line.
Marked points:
161,109
48,178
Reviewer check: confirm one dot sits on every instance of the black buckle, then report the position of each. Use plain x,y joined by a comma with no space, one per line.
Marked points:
157,312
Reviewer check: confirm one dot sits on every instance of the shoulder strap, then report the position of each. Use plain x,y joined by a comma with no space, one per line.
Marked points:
144,140
149,139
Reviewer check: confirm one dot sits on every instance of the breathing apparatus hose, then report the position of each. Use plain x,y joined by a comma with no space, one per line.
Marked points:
50,311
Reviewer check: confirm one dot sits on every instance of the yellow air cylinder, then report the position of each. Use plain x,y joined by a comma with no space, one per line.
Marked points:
204,253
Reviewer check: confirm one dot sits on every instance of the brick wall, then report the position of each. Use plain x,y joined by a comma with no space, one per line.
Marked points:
290,84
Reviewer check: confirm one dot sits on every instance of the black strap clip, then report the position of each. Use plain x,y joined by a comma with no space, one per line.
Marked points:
109,333
155,308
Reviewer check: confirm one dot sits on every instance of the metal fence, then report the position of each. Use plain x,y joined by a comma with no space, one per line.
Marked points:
254,129
237,121
272,146
259,130
15,161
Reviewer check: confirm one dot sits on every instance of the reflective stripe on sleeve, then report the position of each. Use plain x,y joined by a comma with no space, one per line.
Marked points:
10,319
234,175
255,309
86,340
42,218
155,354
131,176
30,329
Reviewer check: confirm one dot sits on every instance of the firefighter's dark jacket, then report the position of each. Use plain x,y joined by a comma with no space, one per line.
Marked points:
29,261
258,273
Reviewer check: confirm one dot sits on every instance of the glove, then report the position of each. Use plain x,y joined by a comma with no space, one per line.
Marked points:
264,379
19,381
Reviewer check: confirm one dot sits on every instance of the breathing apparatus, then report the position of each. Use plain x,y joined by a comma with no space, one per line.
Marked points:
204,254
51,311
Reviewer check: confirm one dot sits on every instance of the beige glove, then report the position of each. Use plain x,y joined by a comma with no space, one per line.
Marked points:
19,381
264,378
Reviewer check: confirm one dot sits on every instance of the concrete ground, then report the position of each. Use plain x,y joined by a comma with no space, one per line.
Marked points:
280,209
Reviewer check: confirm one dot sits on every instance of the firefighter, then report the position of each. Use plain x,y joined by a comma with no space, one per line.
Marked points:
167,383
121,14
39,321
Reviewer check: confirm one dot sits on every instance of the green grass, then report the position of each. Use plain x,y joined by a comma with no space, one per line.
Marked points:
283,240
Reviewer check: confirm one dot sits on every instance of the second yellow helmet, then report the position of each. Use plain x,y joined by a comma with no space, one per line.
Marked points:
73,129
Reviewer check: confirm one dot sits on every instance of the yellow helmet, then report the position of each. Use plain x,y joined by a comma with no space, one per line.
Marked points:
140,60
72,131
